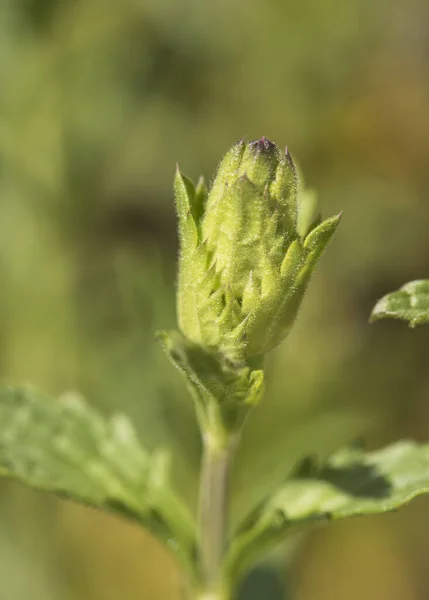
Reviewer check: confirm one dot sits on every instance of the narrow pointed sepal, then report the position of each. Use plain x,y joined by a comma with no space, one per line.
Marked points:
184,192
319,237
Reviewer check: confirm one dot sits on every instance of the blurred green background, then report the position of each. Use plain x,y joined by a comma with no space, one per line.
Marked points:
98,100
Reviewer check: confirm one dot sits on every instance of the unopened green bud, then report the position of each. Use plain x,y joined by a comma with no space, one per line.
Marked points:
247,250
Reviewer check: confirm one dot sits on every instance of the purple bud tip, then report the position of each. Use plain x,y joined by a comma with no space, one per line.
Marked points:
263,145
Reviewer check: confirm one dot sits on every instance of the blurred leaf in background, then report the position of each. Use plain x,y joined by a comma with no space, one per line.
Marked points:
98,100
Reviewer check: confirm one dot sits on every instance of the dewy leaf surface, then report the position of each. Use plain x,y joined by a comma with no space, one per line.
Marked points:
350,483
409,303
67,448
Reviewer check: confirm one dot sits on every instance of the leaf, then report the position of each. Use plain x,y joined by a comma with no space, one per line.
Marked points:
224,393
350,483
67,448
409,303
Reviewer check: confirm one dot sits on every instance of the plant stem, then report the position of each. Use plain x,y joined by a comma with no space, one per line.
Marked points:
213,514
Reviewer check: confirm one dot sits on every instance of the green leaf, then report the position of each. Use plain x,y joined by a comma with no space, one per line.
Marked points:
224,393
67,448
350,483
409,303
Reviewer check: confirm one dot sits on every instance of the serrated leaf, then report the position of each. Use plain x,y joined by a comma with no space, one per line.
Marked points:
409,303
350,483
67,448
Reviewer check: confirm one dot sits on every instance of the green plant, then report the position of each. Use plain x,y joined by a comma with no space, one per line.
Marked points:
248,248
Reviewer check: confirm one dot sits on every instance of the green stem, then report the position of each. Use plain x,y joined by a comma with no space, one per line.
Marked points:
213,515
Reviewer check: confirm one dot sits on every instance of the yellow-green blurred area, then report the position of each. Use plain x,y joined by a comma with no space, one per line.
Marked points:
98,100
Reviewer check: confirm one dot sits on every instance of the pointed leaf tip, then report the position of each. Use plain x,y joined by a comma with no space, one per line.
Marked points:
319,237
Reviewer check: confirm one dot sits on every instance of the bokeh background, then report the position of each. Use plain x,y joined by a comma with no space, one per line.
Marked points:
98,100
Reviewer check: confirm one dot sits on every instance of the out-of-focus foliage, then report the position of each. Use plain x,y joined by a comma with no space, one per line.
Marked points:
65,447
351,483
98,99
409,303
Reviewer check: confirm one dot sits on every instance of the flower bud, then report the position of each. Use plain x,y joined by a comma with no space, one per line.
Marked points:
247,250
